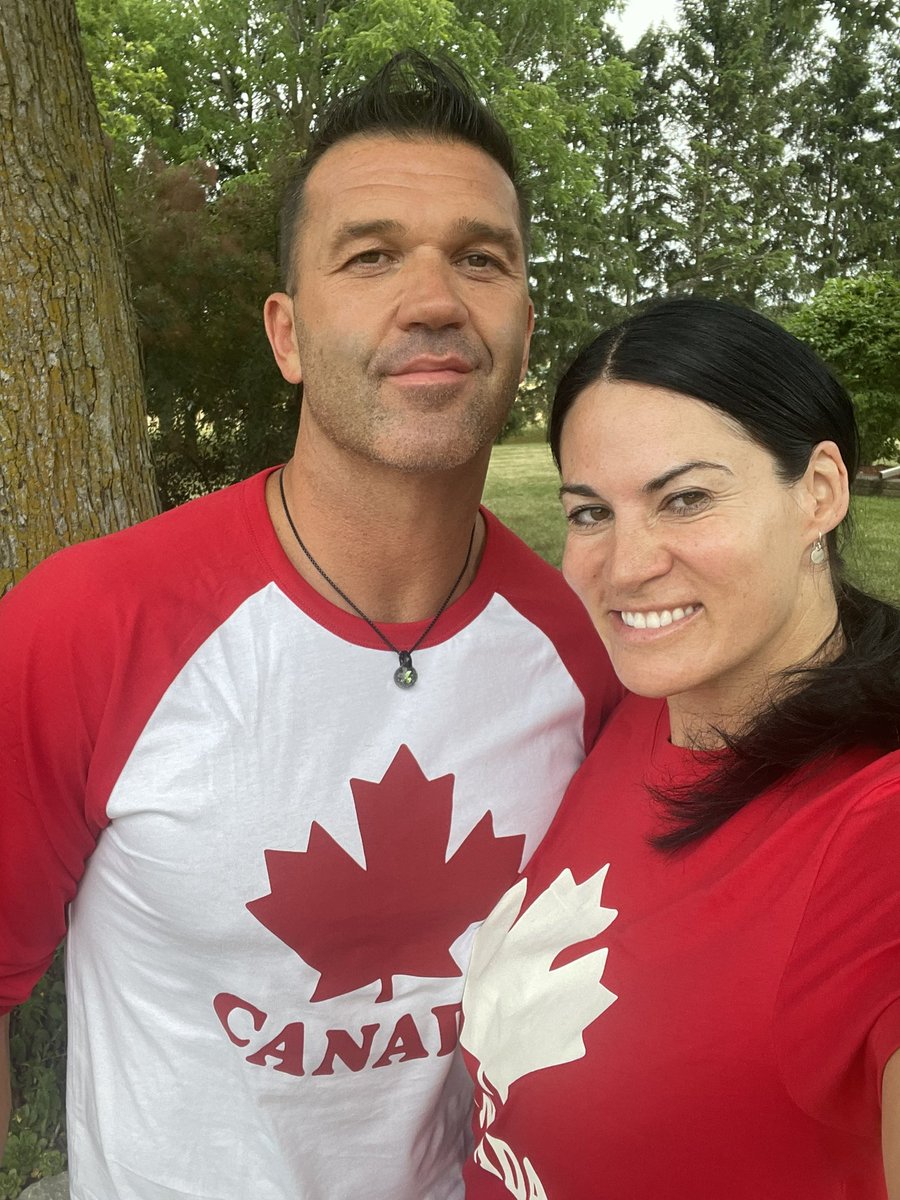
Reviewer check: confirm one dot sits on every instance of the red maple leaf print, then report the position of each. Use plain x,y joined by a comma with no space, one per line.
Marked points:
402,911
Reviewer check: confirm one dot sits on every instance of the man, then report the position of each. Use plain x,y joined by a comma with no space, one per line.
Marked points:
304,732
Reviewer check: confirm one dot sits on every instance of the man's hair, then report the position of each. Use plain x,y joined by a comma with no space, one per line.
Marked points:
411,96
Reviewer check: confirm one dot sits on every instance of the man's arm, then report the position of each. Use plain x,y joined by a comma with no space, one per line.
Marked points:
5,1101
890,1125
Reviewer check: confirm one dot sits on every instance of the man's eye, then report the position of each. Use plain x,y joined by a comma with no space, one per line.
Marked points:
588,516
369,258
479,261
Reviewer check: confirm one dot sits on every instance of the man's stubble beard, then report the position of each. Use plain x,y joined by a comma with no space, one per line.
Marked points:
432,435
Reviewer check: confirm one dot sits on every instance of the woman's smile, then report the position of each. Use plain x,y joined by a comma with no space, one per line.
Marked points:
657,618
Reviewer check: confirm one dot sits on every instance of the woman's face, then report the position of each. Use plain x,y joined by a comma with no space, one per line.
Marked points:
689,552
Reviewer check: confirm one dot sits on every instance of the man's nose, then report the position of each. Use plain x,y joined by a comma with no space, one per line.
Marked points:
430,294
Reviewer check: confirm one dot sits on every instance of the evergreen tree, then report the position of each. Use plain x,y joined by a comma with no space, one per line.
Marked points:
734,94
849,155
637,175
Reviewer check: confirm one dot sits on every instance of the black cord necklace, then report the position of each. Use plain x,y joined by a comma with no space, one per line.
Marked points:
406,674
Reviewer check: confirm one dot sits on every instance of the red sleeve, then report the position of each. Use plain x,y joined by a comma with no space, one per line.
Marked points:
538,591
89,642
838,1019
51,698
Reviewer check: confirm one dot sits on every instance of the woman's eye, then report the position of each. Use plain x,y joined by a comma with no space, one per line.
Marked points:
588,517
688,502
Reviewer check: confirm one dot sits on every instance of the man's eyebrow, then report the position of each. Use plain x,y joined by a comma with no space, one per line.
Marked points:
354,230
653,485
499,235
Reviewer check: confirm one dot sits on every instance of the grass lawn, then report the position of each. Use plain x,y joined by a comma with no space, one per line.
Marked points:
522,485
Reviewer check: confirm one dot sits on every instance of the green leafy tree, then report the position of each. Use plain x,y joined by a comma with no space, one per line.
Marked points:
854,324
201,261
229,82
120,40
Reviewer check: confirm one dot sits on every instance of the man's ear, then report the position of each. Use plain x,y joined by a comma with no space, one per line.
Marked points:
278,314
529,330
826,488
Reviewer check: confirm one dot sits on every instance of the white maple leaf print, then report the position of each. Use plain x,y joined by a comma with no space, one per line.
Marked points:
518,1014
519,1178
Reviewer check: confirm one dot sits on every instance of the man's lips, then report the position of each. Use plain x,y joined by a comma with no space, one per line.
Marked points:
429,370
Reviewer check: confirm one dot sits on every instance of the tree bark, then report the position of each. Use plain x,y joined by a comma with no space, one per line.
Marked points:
74,455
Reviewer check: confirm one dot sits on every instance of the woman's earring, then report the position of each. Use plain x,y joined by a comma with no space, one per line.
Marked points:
817,554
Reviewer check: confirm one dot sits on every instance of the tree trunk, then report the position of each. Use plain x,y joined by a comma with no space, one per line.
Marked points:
74,456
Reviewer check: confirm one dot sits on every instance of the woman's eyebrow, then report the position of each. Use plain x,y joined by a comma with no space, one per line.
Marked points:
576,489
653,485
660,481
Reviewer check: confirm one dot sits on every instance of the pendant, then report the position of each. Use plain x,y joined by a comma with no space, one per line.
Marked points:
406,674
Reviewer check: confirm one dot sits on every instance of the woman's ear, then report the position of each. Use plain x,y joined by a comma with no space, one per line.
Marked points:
826,487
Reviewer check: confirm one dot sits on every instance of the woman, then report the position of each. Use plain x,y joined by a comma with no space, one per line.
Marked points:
695,992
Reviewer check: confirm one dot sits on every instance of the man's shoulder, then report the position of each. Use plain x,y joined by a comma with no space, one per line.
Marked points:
523,576
204,547
177,543
538,592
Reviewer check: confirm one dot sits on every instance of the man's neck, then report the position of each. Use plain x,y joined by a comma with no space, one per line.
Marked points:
393,541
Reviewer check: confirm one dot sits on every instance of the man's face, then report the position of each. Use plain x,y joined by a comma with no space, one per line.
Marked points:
410,322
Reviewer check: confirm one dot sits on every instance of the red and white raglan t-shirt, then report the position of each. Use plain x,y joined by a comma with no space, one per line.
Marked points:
711,1025
275,859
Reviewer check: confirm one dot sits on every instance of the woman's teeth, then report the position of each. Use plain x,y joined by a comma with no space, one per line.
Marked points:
656,620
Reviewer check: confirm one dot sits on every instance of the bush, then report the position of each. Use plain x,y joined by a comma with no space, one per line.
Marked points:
854,324
36,1144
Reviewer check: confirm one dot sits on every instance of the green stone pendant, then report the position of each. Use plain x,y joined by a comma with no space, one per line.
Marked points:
405,675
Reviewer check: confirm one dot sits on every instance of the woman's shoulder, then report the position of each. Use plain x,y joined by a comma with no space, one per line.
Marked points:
864,778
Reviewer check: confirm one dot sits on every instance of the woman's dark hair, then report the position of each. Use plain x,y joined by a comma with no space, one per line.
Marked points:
787,401
411,96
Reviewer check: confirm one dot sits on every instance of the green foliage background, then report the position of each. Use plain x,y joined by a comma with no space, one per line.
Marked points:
753,152
36,1144
854,324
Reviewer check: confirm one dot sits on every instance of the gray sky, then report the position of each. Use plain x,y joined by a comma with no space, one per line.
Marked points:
638,14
